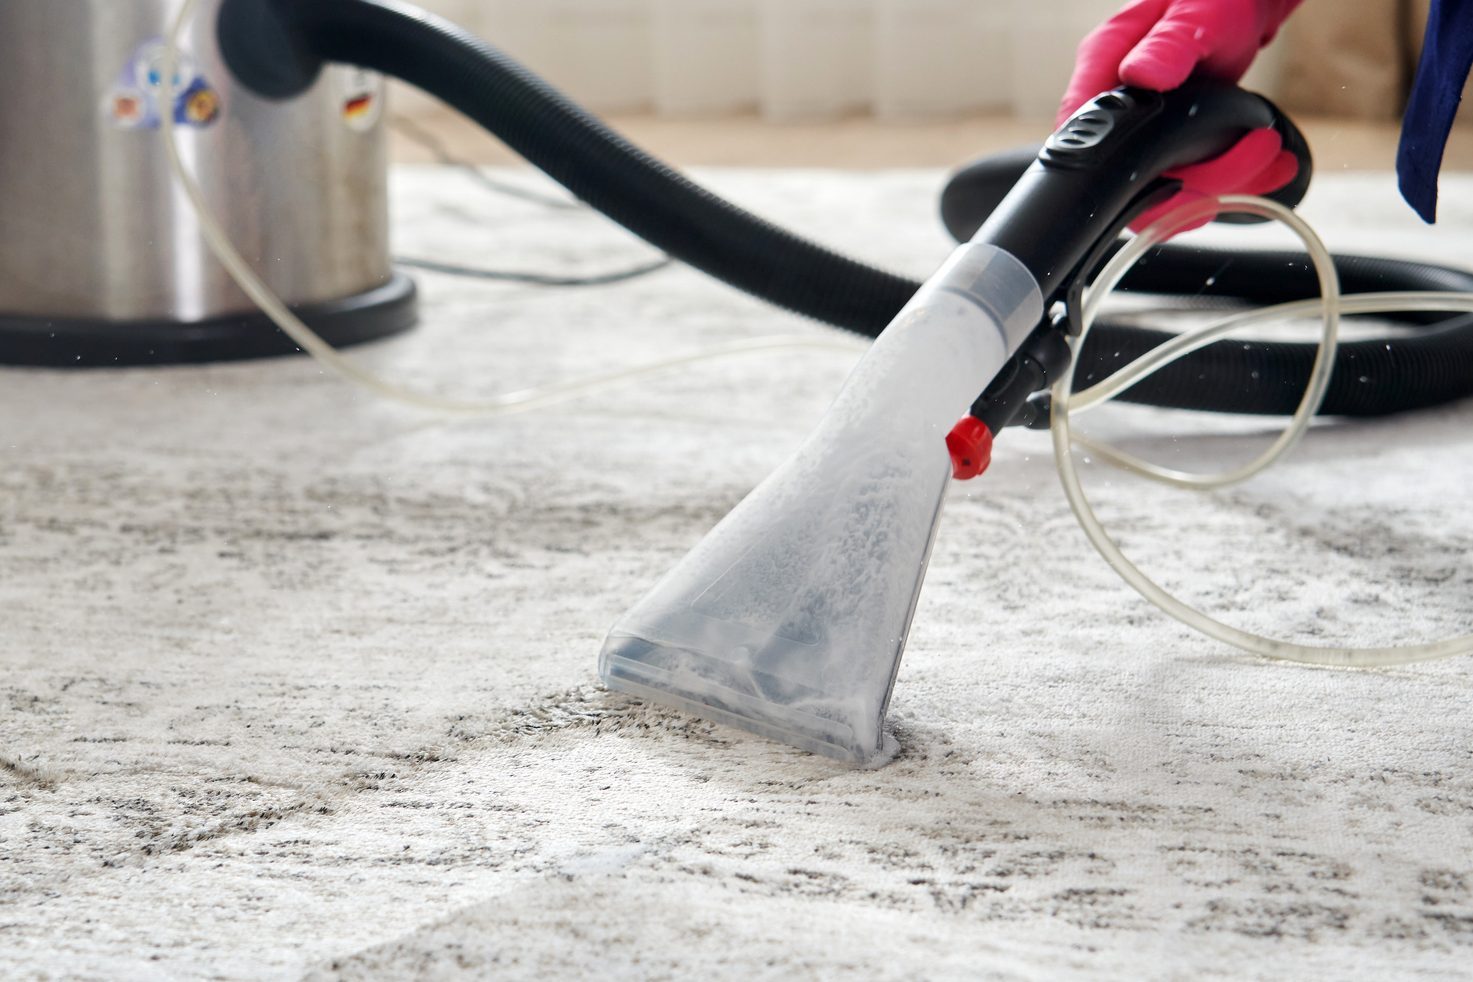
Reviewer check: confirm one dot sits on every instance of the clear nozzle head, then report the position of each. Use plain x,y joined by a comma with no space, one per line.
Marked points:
790,617
785,625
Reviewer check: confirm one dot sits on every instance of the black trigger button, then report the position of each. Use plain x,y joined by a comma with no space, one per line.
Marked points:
1086,129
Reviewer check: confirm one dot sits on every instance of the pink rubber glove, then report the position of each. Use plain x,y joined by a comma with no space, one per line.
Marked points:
1158,44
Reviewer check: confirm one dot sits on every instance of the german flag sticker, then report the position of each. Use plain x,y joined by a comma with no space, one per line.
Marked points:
358,107
362,97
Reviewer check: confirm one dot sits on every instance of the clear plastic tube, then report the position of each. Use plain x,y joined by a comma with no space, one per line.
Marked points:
1331,305
1184,344
1320,372
325,354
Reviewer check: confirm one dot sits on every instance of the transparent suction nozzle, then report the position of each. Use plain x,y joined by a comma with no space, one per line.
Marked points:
790,617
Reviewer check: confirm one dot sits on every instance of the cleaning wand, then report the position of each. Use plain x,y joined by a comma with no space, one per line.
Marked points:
790,618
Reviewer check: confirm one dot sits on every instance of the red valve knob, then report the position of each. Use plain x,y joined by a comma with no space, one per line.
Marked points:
970,443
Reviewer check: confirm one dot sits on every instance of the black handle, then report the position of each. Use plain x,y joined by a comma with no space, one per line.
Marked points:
1050,208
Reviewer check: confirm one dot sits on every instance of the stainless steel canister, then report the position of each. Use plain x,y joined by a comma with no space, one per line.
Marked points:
92,229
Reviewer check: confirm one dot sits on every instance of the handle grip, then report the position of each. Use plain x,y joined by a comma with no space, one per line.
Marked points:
1053,203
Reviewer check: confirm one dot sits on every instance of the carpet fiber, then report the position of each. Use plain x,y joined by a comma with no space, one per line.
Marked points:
296,682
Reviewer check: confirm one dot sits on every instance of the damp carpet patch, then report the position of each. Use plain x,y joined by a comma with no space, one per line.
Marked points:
297,683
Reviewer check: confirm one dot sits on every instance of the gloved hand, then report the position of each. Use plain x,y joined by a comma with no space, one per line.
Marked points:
1158,44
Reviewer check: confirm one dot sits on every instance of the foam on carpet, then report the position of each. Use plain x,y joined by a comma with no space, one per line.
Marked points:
294,682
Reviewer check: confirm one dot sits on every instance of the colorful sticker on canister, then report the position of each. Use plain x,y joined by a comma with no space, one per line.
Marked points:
129,108
134,101
360,96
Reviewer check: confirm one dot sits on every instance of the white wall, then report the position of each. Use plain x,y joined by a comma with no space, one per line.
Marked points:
794,59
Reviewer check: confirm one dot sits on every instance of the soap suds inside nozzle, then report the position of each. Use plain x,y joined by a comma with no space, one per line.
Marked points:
790,618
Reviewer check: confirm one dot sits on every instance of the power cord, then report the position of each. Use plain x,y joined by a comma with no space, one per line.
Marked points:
533,279
436,147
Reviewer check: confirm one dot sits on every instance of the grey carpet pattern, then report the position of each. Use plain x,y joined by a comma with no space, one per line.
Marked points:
294,682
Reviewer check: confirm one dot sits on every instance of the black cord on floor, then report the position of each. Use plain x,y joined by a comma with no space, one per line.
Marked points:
431,143
536,279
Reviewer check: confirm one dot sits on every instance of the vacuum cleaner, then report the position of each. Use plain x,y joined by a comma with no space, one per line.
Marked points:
790,618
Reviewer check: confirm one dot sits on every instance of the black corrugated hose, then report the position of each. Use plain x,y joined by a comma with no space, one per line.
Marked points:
1427,367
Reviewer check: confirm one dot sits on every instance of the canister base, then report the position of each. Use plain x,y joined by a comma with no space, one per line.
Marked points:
68,342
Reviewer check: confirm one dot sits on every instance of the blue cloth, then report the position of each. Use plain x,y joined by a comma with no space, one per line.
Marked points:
1447,55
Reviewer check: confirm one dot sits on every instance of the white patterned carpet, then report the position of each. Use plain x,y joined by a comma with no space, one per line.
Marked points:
295,682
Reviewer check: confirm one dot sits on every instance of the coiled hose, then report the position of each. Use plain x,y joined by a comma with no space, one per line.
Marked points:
1375,377
695,226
